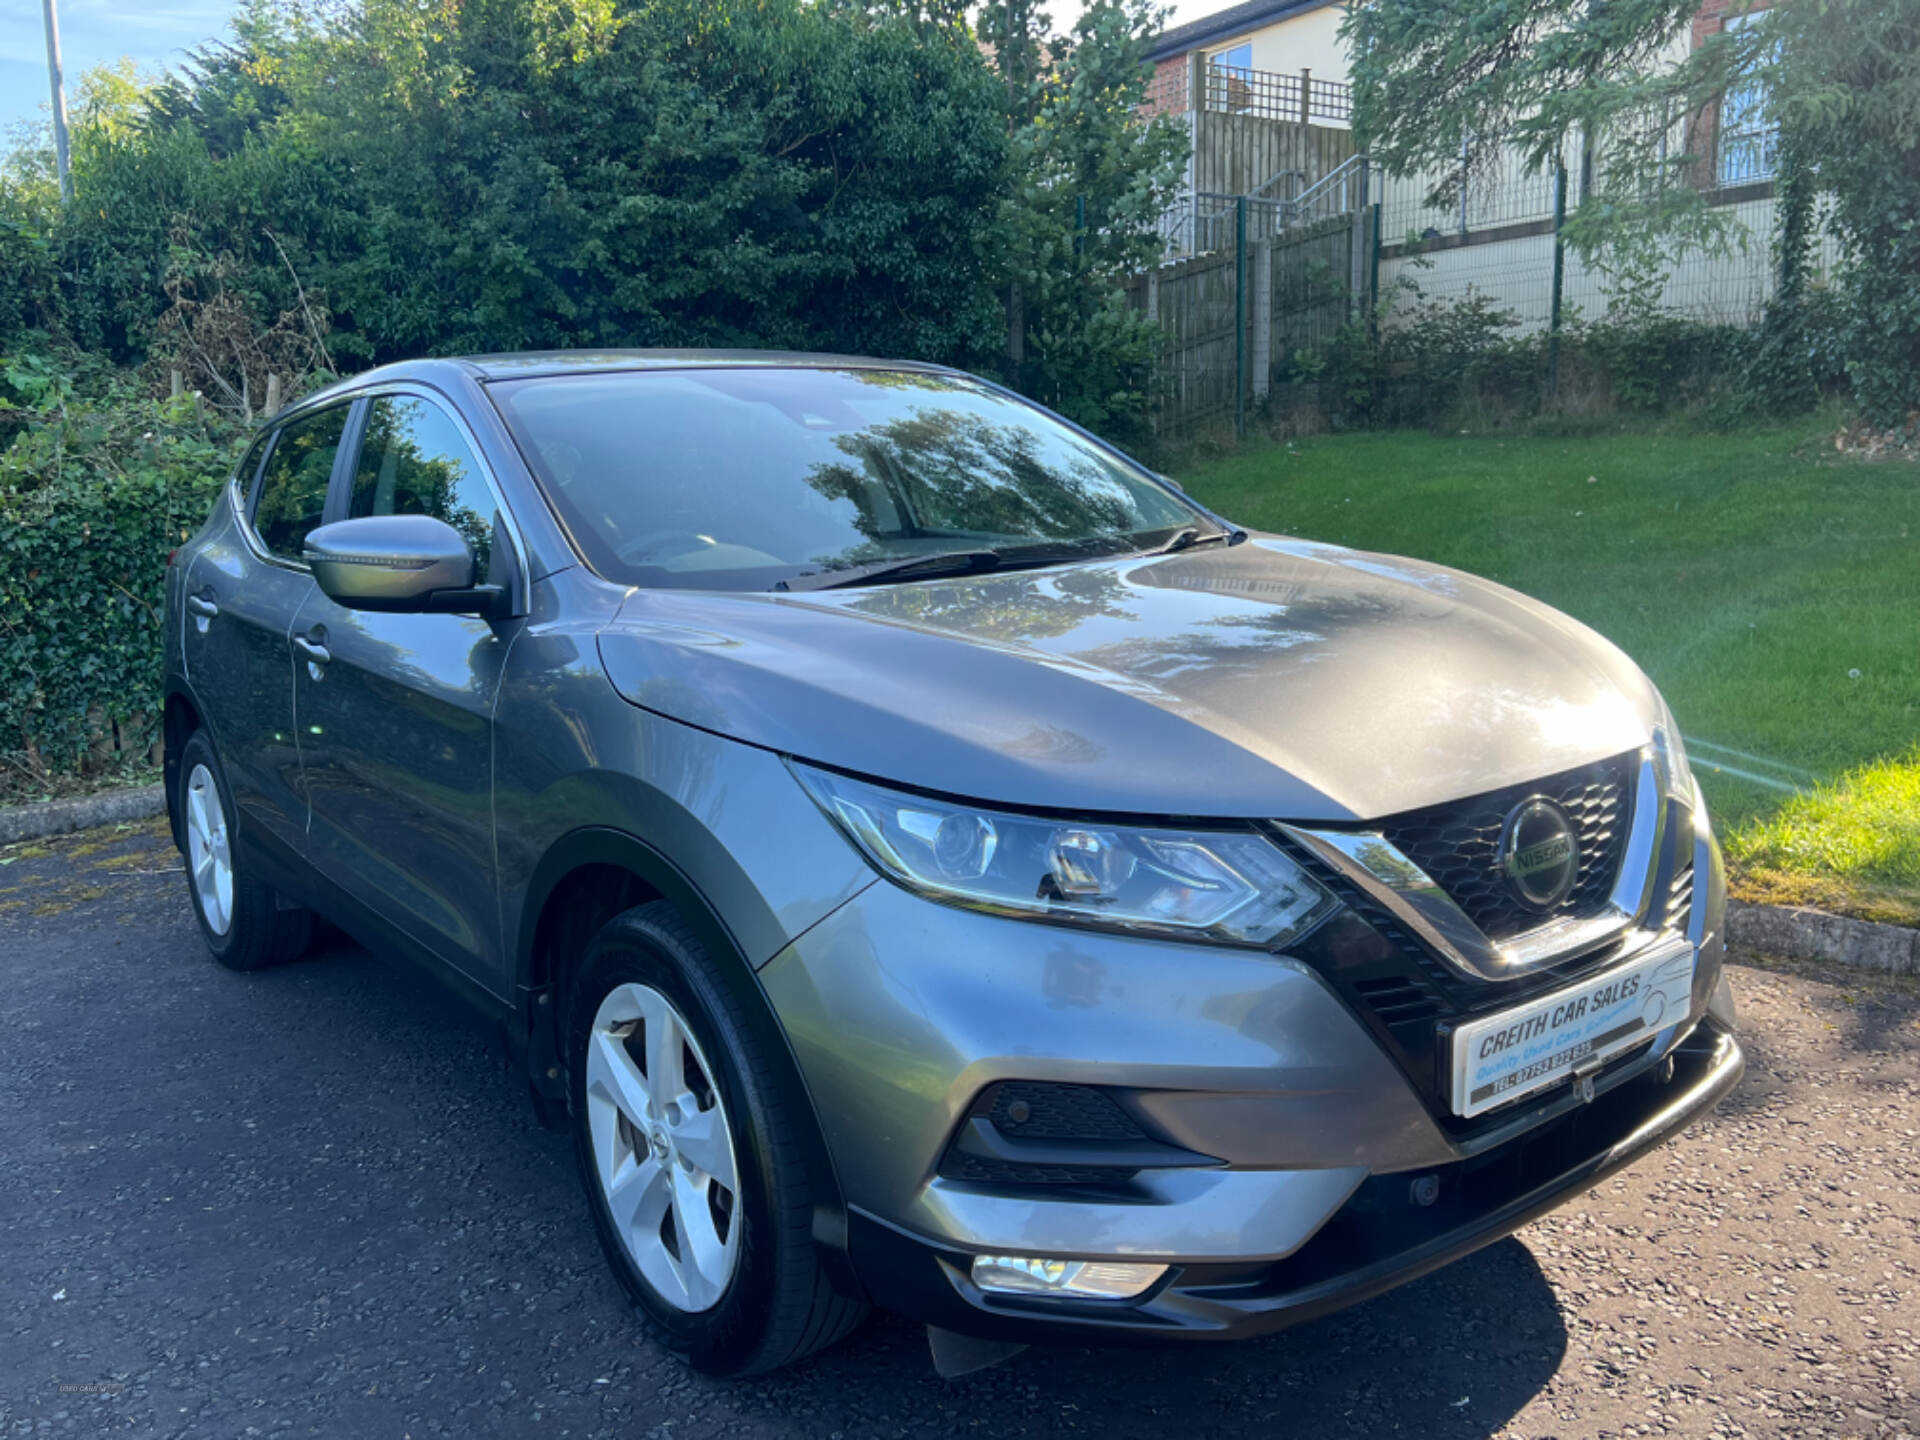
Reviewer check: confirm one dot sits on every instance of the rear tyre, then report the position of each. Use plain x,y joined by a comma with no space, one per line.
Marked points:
242,919
691,1155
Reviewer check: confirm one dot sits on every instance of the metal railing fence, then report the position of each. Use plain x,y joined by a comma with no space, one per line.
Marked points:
1254,283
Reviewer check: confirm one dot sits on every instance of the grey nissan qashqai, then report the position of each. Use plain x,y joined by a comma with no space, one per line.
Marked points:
926,859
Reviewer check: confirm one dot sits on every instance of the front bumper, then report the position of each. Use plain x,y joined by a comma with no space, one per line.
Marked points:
1378,1239
1311,1110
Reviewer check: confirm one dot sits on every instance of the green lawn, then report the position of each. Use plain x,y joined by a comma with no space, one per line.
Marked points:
1772,592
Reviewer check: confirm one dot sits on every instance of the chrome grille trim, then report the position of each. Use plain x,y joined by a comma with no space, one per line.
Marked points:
1371,862
1458,843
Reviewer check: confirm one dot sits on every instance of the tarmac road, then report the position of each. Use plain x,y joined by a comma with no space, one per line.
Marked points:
311,1202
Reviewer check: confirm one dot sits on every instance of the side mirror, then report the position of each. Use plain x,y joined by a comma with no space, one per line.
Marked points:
400,563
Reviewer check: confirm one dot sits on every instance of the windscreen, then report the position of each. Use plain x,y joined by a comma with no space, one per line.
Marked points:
722,478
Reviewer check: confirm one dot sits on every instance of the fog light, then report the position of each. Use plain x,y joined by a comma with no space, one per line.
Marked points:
1088,1279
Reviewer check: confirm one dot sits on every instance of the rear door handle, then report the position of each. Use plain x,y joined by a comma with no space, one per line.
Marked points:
202,605
316,653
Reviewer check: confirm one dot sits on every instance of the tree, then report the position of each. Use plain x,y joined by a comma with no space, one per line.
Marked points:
1558,81
1091,181
1846,90
1614,84
440,176
29,206
501,174
230,90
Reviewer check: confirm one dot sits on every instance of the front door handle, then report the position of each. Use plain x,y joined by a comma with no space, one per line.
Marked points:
316,653
203,605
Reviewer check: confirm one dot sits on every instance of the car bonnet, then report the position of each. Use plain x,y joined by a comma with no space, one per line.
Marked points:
1273,678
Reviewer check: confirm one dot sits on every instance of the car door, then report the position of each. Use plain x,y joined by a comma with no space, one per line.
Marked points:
396,710
243,589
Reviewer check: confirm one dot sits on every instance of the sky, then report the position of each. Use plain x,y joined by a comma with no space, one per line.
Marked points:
158,34
155,33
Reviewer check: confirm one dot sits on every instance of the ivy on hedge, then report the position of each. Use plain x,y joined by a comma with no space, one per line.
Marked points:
1451,361
98,482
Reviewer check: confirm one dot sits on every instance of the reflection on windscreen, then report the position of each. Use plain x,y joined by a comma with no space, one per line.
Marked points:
725,478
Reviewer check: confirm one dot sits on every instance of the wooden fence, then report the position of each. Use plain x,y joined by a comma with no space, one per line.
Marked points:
1194,301
1239,315
1270,248
1267,159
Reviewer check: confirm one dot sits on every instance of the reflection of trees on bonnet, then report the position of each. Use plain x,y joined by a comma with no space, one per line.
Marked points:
946,469
1246,637
1009,608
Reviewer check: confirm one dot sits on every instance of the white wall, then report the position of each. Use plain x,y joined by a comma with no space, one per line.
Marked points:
1517,275
1311,41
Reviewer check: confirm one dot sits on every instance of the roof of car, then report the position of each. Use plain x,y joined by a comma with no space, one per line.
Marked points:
559,362
527,364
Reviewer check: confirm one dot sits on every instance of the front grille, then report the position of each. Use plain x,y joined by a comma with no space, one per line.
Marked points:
1399,1000
1680,896
1458,844
1409,997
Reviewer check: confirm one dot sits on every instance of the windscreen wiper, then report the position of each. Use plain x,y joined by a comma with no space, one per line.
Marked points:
905,567
1189,537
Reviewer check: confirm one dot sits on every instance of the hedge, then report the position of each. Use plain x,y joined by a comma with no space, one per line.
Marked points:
95,490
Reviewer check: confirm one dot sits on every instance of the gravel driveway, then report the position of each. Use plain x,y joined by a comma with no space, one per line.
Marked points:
311,1202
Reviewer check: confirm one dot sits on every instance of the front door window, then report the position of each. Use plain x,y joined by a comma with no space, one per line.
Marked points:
415,461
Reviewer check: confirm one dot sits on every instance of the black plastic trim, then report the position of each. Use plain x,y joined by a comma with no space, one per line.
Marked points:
1354,1257
296,880
980,1137
1363,953
600,845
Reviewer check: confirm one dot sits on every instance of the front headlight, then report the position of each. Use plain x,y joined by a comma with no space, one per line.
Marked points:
1670,757
1229,885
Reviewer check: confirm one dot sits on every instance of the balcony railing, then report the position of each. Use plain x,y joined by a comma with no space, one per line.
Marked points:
1274,95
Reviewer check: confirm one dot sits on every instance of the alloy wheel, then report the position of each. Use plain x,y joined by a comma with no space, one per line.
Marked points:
662,1147
209,853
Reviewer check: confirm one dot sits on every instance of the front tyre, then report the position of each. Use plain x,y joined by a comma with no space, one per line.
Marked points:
691,1154
244,922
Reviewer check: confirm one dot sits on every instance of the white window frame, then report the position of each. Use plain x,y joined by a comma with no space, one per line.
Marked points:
1747,138
1223,59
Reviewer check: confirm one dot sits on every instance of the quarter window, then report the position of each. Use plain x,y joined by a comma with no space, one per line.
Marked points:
414,461
293,492
249,466
245,473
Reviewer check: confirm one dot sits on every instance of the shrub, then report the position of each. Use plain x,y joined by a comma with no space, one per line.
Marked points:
26,278
98,483
494,176
1460,362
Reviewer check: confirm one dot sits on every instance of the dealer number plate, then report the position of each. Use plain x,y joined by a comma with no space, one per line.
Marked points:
1531,1046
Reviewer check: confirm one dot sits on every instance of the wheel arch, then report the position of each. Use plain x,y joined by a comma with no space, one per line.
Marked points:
586,878
179,719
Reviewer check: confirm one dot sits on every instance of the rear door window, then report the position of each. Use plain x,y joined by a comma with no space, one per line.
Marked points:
293,491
